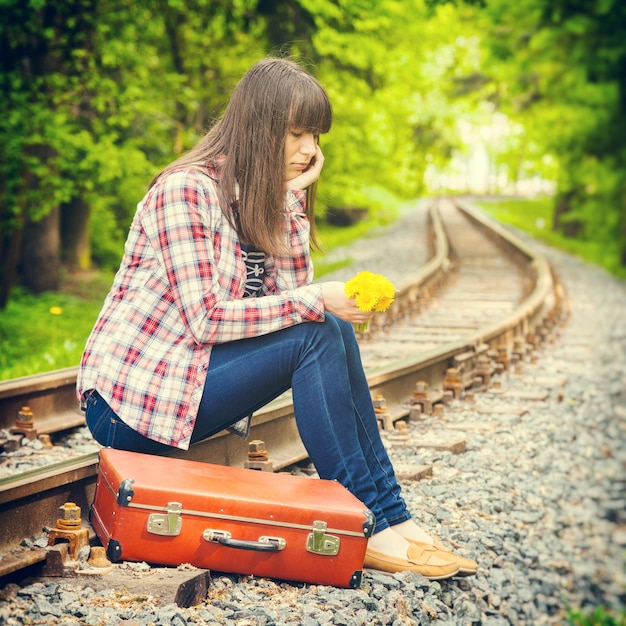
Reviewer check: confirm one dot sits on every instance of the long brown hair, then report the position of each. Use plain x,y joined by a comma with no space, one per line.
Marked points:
247,146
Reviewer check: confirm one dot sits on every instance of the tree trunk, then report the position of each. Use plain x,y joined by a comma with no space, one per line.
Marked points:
75,234
560,222
41,254
9,259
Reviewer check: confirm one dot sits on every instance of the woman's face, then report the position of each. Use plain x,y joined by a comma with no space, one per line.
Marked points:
300,148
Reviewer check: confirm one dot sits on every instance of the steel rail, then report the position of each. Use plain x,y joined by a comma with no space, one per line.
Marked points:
26,501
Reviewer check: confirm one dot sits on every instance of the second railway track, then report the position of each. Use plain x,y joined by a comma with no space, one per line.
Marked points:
482,300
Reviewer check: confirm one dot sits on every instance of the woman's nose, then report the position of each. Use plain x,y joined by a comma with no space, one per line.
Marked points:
308,144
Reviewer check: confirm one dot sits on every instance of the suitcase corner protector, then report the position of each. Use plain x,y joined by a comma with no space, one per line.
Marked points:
113,550
125,492
355,579
368,523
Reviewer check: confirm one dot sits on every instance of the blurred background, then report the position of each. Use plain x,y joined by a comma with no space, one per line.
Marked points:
521,104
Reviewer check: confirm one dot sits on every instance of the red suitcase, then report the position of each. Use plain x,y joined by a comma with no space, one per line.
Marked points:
170,511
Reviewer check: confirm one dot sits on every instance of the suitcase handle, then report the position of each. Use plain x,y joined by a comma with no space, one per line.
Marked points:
264,544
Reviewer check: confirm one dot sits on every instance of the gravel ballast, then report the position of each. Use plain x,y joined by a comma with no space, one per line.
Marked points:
537,498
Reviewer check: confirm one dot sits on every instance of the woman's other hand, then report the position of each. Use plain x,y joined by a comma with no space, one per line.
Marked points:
336,302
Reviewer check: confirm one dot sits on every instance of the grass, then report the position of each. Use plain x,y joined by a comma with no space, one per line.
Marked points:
48,332
534,216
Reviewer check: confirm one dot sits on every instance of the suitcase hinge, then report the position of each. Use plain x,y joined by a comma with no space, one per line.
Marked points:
318,542
169,523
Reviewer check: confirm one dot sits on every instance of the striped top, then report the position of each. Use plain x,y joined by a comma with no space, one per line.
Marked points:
255,270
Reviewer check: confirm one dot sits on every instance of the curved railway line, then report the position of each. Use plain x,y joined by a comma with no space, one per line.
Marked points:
483,301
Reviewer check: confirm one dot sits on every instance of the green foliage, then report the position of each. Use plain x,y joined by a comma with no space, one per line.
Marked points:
100,95
532,216
113,91
387,67
557,69
97,96
599,616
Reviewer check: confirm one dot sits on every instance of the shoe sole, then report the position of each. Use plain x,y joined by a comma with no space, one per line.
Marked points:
466,572
383,565
382,571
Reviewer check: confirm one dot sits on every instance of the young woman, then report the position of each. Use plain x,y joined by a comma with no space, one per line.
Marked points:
213,312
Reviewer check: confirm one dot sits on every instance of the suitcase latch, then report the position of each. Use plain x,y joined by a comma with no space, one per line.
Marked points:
168,523
318,542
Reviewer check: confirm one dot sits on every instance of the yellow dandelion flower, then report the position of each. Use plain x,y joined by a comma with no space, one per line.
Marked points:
56,310
371,292
366,301
383,304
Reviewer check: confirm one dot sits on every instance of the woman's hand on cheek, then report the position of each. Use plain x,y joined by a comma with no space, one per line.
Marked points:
310,175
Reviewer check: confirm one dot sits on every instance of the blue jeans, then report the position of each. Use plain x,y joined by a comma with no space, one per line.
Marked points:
321,363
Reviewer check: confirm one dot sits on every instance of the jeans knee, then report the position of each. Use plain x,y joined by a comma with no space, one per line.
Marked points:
331,332
317,341
346,329
346,336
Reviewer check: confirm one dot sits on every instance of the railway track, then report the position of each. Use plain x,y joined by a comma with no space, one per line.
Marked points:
482,301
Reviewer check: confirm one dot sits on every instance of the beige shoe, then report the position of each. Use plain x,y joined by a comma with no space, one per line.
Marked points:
467,567
422,558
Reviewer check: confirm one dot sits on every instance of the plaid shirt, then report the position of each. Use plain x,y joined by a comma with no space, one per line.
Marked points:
179,291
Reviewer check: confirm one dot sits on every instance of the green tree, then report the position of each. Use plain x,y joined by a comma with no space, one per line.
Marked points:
389,68
592,91
98,95
95,93
38,69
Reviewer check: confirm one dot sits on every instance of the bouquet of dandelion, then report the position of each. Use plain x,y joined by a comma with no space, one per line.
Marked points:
371,292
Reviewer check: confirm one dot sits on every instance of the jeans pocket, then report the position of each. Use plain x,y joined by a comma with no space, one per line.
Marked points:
100,420
111,432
